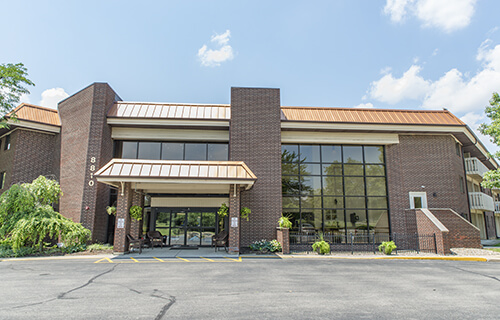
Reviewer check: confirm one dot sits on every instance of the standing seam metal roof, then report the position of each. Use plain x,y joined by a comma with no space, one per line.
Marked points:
30,112
312,114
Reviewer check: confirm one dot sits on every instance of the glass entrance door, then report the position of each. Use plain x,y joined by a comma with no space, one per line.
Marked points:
186,226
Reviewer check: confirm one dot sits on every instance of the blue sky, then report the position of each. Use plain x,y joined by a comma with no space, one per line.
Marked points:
411,54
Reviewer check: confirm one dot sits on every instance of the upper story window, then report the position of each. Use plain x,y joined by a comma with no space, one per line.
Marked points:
7,142
171,150
2,180
457,149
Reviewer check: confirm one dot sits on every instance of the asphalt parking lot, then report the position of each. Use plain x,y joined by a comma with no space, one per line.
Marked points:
248,288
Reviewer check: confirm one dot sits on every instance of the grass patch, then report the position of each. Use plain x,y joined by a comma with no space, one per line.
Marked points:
493,249
6,251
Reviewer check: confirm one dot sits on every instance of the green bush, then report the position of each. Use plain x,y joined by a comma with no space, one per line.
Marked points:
322,247
27,218
264,246
387,247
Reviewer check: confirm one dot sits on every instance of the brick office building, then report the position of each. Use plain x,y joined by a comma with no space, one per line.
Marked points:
341,171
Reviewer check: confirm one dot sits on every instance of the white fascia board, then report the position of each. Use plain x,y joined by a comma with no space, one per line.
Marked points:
167,122
127,133
339,137
35,125
116,180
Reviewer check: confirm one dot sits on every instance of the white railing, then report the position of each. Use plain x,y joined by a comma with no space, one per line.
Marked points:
474,166
481,201
497,206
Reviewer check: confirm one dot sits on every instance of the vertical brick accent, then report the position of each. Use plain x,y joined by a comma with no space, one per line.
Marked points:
136,226
283,237
234,212
423,160
86,145
124,203
7,160
255,138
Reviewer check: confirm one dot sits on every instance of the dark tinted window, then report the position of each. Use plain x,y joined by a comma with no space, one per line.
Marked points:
7,142
195,151
217,152
149,150
172,151
129,150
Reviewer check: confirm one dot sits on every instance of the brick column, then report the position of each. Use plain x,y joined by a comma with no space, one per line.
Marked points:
136,226
283,237
234,219
122,212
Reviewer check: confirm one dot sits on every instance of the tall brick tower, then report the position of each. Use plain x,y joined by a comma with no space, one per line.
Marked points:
255,138
86,146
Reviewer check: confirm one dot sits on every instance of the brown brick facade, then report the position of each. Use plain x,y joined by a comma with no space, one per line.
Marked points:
123,205
32,153
86,146
429,161
255,138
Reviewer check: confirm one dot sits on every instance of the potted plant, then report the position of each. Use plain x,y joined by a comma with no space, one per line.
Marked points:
111,210
284,222
244,212
387,247
136,212
321,246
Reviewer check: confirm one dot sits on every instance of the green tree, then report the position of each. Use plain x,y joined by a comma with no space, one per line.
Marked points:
492,178
27,218
13,83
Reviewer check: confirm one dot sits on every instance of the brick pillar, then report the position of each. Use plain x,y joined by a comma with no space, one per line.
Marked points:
136,226
234,219
122,212
283,237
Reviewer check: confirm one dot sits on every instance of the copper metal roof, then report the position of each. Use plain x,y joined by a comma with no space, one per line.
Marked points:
169,111
39,114
380,116
123,170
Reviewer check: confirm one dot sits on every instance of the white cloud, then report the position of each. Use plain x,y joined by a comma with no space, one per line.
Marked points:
364,105
447,15
435,52
393,90
397,9
51,97
459,92
213,58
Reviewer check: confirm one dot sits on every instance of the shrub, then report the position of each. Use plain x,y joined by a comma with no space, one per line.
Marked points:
387,247
264,246
27,218
321,246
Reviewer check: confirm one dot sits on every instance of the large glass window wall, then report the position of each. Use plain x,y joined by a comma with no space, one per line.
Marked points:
171,150
337,189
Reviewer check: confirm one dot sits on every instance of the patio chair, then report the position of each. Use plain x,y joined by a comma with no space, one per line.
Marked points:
220,240
135,243
155,237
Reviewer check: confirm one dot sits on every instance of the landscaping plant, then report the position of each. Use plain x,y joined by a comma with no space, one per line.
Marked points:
111,210
284,222
136,212
27,218
387,247
264,246
321,246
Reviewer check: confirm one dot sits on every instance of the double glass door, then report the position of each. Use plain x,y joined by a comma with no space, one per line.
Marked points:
186,226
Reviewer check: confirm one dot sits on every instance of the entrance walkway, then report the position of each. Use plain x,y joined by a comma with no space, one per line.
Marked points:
168,252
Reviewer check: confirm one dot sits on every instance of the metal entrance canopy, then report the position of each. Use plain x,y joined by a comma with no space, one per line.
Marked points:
178,176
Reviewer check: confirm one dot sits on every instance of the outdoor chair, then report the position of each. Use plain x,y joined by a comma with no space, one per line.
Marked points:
220,240
135,243
155,237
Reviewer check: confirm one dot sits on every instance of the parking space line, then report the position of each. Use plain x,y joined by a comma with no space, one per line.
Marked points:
237,260
208,259
159,259
182,259
135,260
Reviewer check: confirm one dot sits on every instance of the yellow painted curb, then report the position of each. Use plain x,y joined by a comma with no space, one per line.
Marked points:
480,259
